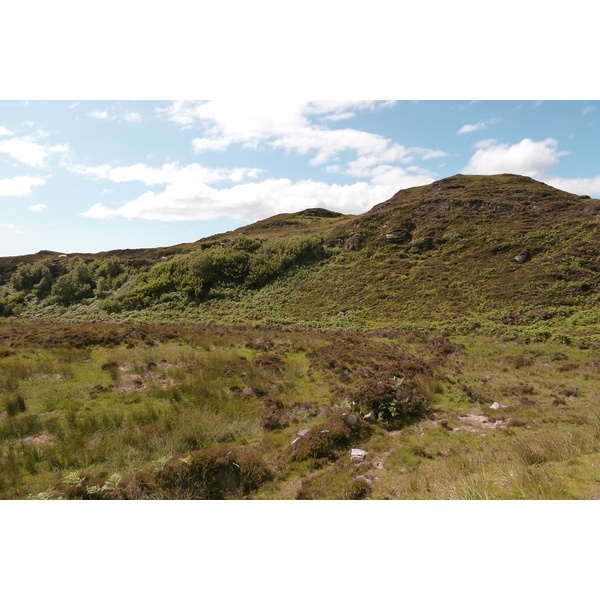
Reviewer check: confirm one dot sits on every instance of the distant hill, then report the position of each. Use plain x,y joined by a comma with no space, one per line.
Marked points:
461,246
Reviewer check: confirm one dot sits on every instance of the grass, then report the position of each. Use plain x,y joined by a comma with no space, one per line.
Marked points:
76,401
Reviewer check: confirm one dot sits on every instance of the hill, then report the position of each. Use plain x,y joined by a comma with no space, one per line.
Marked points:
444,344
462,246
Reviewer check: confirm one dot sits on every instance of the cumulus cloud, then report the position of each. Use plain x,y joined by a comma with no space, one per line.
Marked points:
301,128
477,126
524,158
169,173
252,201
19,186
4,131
29,152
589,186
289,126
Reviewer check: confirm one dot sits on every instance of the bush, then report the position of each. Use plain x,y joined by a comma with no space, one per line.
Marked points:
242,262
395,401
35,278
329,438
213,473
75,285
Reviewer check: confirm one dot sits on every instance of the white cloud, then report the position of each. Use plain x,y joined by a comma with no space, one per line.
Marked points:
19,186
4,131
252,201
287,126
524,158
37,207
477,126
115,114
589,186
339,116
27,151
485,143
587,110
132,116
99,211
98,114
169,173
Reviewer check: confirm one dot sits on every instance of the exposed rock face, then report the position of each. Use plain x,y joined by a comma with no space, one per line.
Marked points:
397,237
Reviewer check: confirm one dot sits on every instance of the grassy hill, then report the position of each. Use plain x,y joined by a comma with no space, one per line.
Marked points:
445,344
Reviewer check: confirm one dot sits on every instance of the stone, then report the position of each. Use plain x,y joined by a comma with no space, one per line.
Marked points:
350,420
370,417
303,432
396,237
522,256
357,454
496,406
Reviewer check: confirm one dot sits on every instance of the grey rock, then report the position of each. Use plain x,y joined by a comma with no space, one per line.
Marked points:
370,417
350,420
357,454
522,256
397,237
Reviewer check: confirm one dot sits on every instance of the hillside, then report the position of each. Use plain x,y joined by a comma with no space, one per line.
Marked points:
443,345
459,247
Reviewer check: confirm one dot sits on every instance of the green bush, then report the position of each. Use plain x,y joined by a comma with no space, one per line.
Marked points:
36,278
243,262
75,285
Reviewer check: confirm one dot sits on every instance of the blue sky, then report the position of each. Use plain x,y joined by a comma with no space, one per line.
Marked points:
88,175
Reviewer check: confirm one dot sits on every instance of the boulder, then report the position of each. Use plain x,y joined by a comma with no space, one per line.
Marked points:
370,417
350,420
358,454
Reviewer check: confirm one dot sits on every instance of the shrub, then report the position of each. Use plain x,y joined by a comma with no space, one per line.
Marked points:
213,474
396,402
75,285
328,439
36,278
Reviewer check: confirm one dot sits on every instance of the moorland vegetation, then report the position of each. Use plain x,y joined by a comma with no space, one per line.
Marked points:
445,344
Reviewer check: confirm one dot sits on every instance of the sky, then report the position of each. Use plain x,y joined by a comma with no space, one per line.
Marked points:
87,176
